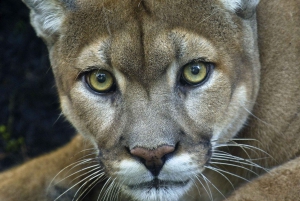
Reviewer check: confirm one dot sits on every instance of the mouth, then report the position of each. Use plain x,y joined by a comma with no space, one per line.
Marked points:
157,184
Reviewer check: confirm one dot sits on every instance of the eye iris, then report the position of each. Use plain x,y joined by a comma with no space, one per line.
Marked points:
100,81
194,73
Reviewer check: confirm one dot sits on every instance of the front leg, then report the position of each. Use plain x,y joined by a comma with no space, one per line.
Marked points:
40,180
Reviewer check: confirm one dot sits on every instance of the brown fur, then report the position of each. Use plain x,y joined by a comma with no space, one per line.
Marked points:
277,103
143,59
282,183
276,121
31,181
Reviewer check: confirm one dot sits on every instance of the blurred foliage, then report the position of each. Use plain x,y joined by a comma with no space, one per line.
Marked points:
10,144
29,107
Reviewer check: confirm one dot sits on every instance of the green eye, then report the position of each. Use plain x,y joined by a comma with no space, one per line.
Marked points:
194,73
100,81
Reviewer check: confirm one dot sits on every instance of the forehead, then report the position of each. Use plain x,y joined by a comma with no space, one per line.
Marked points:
140,34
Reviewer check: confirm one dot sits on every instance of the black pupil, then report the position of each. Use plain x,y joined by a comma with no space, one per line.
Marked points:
101,77
195,69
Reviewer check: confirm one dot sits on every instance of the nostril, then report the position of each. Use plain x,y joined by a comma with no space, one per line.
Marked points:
170,154
128,150
153,159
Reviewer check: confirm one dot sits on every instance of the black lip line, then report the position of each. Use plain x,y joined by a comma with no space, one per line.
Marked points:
156,183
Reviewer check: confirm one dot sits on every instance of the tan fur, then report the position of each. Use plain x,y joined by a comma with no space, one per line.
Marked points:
282,183
32,181
149,109
281,136
276,125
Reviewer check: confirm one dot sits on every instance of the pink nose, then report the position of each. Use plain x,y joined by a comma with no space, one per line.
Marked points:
153,159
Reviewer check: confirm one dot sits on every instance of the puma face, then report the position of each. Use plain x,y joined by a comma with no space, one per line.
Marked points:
154,85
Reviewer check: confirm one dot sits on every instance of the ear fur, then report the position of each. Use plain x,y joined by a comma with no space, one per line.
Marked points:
46,17
243,8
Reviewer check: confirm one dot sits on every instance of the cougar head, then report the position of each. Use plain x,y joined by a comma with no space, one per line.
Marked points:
154,85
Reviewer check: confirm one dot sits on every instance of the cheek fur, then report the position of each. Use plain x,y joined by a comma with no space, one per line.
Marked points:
89,112
205,103
236,115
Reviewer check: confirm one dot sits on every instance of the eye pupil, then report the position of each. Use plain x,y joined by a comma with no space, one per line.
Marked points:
195,70
101,77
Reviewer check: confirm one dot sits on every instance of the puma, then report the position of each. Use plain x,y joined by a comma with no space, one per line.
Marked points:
173,100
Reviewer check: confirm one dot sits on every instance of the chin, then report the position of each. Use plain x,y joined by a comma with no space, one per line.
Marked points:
158,190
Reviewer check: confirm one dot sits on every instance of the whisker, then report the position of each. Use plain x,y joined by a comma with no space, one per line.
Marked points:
60,115
245,139
98,176
220,157
212,185
84,179
109,190
239,166
93,166
209,190
91,186
84,150
84,161
65,169
115,195
264,122
236,159
216,170
233,174
195,183
87,173
256,116
250,147
226,154
104,186
205,189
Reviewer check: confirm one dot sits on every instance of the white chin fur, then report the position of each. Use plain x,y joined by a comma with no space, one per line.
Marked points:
161,194
179,169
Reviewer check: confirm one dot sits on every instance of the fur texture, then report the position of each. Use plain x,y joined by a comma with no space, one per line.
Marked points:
282,183
218,130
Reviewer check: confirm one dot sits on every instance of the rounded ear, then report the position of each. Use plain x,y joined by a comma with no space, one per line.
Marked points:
243,8
47,17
